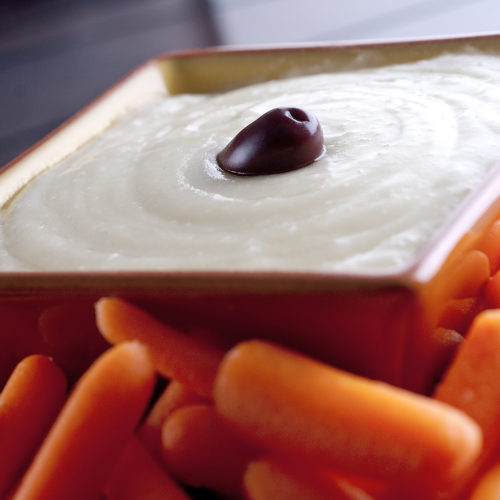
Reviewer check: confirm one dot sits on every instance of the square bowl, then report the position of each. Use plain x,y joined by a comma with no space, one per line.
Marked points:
388,326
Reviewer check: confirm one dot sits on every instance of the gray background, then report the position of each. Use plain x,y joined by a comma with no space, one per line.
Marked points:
57,55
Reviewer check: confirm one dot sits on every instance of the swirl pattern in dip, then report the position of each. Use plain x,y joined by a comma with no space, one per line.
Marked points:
404,145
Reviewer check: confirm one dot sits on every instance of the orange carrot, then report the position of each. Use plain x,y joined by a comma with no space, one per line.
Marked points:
490,245
493,291
29,403
488,487
72,336
201,451
270,479
458,314
92,428
470,383
175,355
138,476
471,275
466,277
446,343
298,407
176,395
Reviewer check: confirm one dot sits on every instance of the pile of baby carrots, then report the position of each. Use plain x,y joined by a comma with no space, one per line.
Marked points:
258,422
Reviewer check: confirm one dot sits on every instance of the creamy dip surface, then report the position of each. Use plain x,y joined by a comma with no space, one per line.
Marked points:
404,145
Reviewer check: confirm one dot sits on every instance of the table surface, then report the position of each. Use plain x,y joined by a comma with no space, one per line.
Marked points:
57,55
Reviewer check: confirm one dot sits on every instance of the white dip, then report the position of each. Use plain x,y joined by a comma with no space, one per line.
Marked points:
404,145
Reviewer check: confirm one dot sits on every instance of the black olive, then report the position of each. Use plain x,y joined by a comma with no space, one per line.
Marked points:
280,140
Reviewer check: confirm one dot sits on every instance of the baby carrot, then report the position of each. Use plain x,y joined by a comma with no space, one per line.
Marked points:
200,450
466,278
175,355
270,479
471,385
488,487
175,395
93,427
29,402
493,291
138,476
471,382
298,407
490,245
458,314
446,342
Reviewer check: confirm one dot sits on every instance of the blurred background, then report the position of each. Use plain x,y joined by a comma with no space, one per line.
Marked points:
57,55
